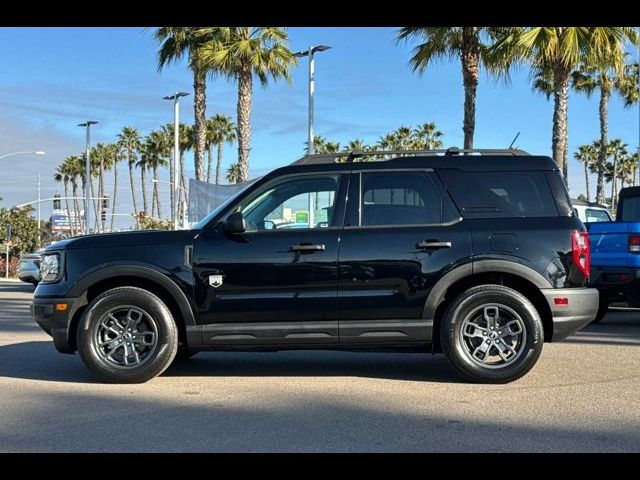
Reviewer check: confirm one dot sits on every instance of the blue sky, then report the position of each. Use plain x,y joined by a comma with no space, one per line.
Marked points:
54,78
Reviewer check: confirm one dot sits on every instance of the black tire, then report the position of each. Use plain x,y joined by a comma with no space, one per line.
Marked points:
456,347
603,308
185,353
159,317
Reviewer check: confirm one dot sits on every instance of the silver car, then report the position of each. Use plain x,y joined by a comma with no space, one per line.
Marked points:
29,268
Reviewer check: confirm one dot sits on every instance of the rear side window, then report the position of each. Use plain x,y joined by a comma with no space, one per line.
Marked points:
500,194
592,216
403,198
631,209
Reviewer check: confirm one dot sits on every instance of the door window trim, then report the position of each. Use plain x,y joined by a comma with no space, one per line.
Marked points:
343,178
436,183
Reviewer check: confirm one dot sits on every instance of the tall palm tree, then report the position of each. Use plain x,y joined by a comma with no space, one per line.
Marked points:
626,170
76,169
157,148
587,154
607,79
471,46
143,166
240,53
220,130
130,144
559,51
176,43
427,137
116,155
234,173
618,152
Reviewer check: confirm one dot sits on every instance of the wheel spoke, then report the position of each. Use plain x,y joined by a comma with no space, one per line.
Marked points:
478,331
142,338
504,348
483,348
511,329
491,315
132,322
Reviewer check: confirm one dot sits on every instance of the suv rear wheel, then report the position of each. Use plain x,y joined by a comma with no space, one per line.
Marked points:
492,334
127,335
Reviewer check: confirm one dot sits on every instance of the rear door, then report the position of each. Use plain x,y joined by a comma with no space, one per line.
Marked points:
402,234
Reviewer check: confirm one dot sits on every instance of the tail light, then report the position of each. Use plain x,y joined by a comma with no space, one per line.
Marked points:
634,243
581,247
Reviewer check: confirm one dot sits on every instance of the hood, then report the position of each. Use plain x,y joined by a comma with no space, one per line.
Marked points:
119,239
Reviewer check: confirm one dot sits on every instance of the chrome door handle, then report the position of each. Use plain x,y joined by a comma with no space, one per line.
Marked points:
308,247
432,244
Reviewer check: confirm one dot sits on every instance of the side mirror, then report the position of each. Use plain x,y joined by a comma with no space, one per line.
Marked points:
235,223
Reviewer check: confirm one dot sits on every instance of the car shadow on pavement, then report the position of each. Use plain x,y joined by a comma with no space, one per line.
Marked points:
38,360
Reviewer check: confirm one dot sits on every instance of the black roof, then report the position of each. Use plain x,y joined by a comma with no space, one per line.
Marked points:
630,192
470,163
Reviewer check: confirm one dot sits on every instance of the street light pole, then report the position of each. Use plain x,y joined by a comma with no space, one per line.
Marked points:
310,54
87,173
176,151
39,229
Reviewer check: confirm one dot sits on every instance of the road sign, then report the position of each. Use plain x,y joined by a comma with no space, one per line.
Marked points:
7,233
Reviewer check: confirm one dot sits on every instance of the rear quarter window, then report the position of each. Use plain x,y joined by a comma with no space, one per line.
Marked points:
500,194
631,209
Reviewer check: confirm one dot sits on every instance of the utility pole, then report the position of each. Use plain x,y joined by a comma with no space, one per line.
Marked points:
87,173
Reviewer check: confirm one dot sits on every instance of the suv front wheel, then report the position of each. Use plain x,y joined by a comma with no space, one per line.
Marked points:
492,334
127,335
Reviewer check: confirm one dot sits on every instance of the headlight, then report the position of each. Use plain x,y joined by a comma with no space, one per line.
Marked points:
50,268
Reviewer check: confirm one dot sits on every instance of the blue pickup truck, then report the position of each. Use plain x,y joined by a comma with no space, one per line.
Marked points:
615,254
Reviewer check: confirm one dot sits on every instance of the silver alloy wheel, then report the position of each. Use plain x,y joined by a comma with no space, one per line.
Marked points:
126,337
493,335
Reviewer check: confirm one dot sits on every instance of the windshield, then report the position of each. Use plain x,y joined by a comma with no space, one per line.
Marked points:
221,207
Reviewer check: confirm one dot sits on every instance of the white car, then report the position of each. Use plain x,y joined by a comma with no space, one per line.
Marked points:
591,212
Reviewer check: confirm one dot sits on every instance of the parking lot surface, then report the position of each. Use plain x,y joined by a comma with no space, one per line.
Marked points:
581,396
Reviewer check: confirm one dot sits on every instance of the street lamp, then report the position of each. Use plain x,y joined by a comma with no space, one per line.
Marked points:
87,173
37,152
309,53
176,152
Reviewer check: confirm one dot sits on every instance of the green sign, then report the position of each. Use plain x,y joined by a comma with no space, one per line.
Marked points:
302,216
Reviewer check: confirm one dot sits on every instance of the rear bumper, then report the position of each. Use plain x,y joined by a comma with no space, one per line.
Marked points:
580,309
617,284
55,323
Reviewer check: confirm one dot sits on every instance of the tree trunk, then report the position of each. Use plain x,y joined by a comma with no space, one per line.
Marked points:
183,190
470,57
102,194
113,198
219,163
560,102
133,194
156,194
245,81
209,155
143,179
614,182
172,197
199,88
66,202
586,180
604,140
635,172
95,206
76,211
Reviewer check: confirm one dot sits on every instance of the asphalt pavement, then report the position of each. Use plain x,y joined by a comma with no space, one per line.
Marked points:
582,396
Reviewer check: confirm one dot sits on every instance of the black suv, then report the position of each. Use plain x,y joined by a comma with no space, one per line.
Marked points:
478,256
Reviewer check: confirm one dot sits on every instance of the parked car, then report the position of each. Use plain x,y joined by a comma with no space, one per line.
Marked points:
591,212
616,254
29,268
476,256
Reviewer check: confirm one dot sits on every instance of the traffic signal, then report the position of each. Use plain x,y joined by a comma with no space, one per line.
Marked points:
105,207
56,202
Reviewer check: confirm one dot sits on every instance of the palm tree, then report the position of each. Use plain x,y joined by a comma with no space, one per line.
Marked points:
130,144
76,169
234,173
427,137
157,148
186,141
607,80
175,43
471,46
558,51
403,137
636,160
220,130
618,151
587,154
240,53
626,170
142,165
116,156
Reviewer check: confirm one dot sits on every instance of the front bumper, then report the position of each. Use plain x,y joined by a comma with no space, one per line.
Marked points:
617,284
55,322
569,316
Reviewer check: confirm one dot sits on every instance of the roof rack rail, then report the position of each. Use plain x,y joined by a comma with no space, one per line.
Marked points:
351,156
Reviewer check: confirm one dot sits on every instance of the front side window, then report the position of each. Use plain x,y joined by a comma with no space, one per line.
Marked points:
402,198
304,201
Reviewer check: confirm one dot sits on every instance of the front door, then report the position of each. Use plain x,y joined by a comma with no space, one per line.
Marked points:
276,282
402,234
